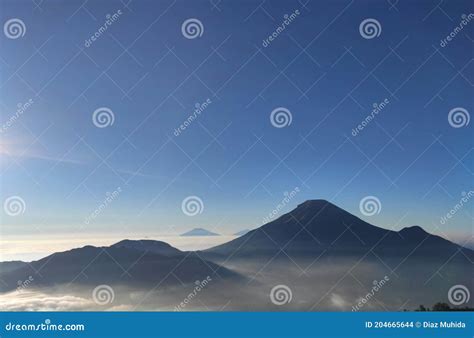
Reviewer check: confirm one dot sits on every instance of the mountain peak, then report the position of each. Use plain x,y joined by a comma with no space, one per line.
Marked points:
414,229
147,245
315,203
199,232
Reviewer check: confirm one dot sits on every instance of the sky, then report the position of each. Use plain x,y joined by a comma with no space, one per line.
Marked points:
76,175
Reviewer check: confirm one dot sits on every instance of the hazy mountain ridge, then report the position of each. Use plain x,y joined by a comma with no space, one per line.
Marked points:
318,226
321,244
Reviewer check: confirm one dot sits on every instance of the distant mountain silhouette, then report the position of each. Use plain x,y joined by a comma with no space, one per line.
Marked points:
241,232
148,245
317,247
129,263
319,227
199,232
11,265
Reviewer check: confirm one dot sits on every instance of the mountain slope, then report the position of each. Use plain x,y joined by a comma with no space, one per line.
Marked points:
120,264
319,227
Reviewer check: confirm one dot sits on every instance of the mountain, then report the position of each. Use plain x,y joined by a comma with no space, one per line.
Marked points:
318,227
11,265
129,263
148,245
241,232
199,232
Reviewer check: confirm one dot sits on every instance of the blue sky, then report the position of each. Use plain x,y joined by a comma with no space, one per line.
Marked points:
150,76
